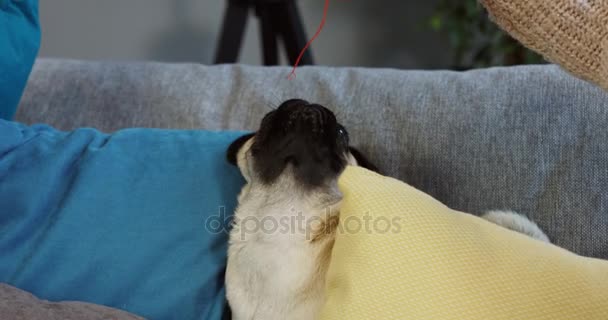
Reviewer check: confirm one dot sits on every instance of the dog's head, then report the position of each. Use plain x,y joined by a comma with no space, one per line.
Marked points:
298,137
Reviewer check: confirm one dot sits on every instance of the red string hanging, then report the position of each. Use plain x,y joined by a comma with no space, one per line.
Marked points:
292,74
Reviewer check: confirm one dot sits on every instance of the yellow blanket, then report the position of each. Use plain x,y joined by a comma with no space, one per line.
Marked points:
400,254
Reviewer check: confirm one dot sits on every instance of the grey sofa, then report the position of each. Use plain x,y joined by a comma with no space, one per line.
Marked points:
532,139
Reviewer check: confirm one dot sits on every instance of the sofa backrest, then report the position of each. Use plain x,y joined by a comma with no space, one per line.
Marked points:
529,138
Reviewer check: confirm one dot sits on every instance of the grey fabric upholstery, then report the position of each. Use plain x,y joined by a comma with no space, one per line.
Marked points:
532,139
17,304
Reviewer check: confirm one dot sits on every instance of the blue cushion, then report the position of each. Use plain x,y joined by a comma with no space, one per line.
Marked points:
135,220
19,42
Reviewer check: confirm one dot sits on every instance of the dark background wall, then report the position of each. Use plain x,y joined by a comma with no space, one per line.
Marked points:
387,33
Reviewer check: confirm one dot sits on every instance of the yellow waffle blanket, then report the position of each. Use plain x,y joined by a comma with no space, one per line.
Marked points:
400,254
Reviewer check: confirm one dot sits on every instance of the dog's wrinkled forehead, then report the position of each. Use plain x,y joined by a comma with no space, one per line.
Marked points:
299,138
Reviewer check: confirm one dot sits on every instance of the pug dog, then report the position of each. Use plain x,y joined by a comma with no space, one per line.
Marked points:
285,223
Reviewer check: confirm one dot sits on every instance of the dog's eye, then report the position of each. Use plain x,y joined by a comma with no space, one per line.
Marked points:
342,134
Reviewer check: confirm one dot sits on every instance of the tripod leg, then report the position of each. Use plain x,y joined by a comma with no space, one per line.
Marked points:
233,29
269,38
287,19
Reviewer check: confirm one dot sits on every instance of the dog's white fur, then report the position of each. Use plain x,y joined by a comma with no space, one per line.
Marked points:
278,275
516,222
281,275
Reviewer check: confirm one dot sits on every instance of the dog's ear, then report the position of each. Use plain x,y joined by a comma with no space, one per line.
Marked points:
362,160
235,146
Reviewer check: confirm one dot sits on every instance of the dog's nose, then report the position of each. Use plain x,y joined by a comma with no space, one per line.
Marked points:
308,113
307,117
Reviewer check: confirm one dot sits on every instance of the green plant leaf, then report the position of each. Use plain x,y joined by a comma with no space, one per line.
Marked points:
474,39
435,22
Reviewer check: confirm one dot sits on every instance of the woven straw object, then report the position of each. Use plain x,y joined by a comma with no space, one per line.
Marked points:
571,33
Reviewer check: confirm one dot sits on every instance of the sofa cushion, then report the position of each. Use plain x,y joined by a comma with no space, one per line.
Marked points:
17,304
18,48
400,254
135,220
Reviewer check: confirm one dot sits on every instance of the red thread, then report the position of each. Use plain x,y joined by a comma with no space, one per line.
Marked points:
292,75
